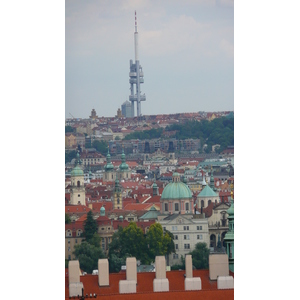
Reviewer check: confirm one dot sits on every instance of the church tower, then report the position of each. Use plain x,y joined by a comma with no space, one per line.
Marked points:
109,174
124,171
77,190
155,188
229,237
117,196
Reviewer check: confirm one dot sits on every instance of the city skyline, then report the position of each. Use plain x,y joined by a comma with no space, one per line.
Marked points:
186,51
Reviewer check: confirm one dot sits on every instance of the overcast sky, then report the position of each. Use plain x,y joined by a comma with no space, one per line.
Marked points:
186,49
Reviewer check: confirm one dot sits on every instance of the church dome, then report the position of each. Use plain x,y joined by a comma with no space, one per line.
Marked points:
176,189
207,192
123,166
109,166
77,171
102,211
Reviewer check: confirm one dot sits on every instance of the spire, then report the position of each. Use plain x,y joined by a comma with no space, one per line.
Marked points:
212,181
109,166
123,166
135,21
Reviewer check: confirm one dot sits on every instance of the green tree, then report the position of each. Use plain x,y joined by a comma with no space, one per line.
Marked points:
67,219
159,243
115,263
134,242
126,242
200,256
100,146
69,155
69,129
90,227
88,256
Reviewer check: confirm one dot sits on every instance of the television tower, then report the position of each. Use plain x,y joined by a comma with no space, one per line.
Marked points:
136,77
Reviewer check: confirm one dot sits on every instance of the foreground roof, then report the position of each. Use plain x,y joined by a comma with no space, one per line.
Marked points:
144,288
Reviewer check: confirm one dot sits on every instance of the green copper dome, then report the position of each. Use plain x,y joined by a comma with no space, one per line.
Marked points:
109,166
207,192
102,211
176,190
230,210
123,166
77,170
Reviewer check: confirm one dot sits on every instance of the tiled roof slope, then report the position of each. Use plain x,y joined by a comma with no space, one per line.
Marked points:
144,288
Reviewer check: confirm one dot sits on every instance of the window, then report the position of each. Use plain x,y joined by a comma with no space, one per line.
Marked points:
69,257
166,206
186,237
176,237
202,203
176,246
68,241
78,195
186,228
187,206
199,227
75,241
176,207
209,202
174,228
164,228
199,236
69,249
175,256
186,246
78,183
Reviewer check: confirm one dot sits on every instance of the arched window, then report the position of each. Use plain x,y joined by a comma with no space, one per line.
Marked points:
78,183
209,202
202,203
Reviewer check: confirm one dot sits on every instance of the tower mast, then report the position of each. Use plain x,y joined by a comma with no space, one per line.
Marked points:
136,76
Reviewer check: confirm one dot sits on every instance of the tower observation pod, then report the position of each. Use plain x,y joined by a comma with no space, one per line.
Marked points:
136,77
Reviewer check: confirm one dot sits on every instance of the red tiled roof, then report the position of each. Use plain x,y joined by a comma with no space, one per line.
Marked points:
82,218
138,206
153,199
76,209
144,288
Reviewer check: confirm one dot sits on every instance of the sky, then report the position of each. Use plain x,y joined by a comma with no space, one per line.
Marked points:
186,49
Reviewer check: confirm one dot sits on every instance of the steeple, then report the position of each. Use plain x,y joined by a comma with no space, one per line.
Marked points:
154,187
123,166
212,181
229,237
109,166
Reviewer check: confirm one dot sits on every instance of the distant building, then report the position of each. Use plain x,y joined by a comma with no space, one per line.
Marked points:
77,190
93,114
119,113
126,109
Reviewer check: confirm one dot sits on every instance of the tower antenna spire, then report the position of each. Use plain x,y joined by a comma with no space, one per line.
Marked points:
135,21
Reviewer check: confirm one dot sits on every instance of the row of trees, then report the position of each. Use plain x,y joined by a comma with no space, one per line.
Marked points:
126,242
145,135
199,258
218,131
130,241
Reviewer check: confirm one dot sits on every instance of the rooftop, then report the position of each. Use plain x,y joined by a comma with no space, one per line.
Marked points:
144,289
